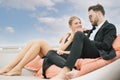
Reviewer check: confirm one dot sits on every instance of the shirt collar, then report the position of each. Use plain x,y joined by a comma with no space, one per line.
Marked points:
100,24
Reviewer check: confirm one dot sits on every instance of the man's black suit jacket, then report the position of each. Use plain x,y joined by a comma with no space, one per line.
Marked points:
104,39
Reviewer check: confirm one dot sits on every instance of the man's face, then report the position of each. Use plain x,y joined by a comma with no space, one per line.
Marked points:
93,17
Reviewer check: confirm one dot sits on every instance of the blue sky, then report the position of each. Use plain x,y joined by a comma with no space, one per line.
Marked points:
24,20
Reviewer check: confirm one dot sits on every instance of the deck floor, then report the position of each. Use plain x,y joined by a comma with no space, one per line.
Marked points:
5,58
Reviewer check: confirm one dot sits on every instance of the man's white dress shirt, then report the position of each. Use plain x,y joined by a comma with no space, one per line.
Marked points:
92,35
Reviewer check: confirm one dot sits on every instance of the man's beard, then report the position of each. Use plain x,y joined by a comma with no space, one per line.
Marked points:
95,23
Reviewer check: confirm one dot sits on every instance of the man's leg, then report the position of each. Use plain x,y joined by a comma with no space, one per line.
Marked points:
56,59
75,53
76,49
89,51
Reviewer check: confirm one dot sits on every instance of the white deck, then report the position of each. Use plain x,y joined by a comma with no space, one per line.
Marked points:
109,72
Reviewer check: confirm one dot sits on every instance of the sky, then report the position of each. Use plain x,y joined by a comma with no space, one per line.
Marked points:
25,20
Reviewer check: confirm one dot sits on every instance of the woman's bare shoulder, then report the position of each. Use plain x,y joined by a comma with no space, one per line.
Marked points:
64,36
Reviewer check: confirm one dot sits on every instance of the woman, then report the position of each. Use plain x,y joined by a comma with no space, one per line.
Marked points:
59,57
41,48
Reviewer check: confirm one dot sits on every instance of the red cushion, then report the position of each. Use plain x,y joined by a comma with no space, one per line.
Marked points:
116,43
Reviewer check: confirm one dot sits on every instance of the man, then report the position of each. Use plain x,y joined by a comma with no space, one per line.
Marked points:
99,43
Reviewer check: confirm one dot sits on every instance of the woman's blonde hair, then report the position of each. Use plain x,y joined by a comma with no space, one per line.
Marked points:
72,19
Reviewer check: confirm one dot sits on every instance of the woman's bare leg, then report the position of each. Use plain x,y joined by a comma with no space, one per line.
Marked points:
17,58
39,46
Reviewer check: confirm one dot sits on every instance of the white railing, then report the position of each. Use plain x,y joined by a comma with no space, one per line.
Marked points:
11,47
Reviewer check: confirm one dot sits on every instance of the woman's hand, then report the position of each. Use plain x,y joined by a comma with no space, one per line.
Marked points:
60,52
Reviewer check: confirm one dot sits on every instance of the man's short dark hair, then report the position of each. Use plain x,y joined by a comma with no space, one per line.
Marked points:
97,7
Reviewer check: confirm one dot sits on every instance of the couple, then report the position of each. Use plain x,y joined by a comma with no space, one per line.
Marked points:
74,45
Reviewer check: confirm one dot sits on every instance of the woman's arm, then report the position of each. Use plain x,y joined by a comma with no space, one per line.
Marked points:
63,44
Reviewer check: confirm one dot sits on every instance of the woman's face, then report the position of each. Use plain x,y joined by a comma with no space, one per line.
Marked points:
76,24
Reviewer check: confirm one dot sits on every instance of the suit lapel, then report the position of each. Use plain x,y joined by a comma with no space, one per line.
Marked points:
100,30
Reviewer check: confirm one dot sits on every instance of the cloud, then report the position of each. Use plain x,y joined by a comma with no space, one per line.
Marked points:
0,2
47,20
55,22
30,4
0,30
27,4
9,30
58,1
81,5
53,25
52,9
118,28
